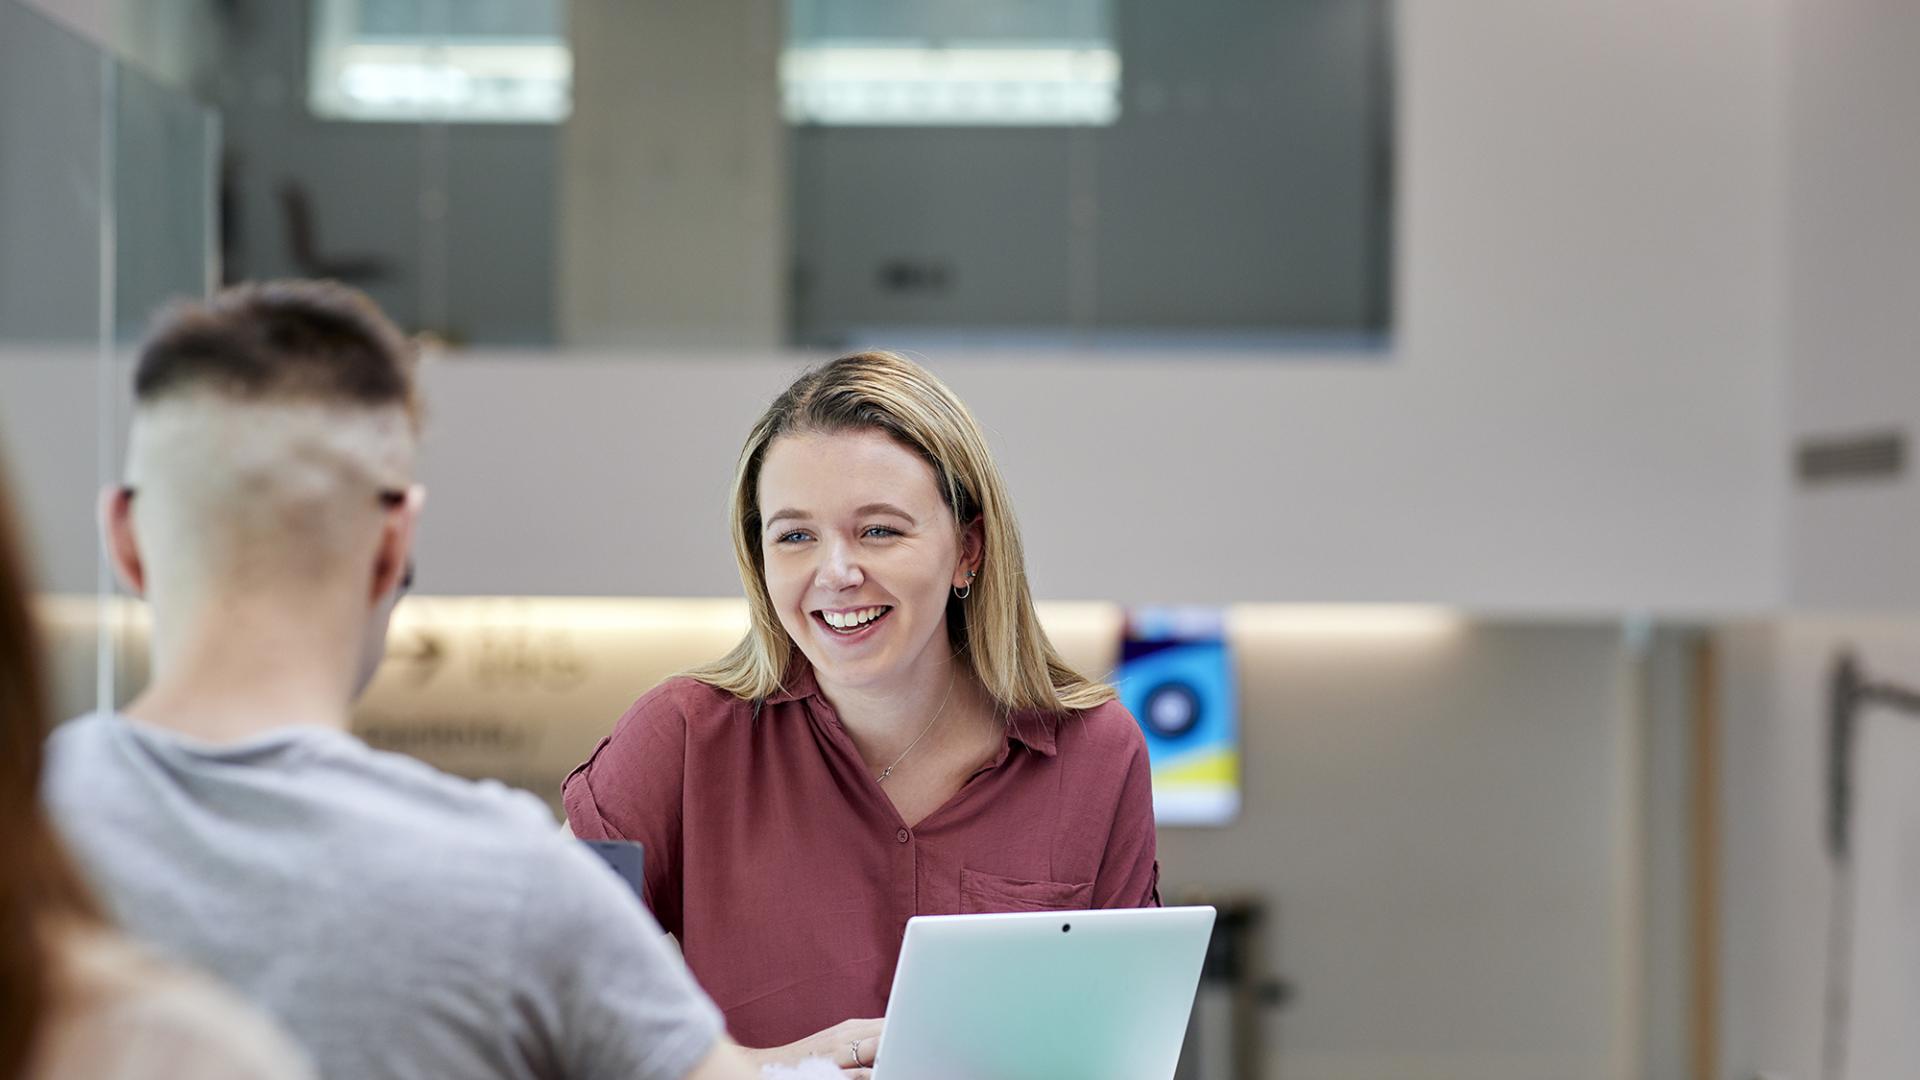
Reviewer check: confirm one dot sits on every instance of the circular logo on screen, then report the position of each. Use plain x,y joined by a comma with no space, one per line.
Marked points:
1173,709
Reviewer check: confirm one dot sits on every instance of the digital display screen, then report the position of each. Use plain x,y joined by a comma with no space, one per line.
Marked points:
1176,677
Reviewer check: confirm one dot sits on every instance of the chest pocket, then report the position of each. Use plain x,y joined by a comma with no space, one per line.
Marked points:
981,893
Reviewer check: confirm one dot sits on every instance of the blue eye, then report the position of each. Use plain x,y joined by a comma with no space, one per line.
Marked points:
881,531
793,537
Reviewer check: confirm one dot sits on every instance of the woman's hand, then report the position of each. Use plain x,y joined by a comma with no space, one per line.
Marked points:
850,1044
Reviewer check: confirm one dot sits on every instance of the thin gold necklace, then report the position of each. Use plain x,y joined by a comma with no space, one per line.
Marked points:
888,771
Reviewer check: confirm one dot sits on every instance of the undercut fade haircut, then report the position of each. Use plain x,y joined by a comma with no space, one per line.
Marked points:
315,342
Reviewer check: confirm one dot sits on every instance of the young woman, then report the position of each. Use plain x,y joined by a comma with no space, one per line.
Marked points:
893,737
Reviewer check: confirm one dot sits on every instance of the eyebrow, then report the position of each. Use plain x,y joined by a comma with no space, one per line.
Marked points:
790,514
885,508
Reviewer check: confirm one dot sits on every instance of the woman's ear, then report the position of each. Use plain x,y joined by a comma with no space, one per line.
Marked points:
973,550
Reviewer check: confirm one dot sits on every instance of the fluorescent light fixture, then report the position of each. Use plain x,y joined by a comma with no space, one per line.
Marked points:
421,62
525,83
909,85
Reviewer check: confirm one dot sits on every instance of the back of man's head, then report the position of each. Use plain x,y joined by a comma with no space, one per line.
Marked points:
273,436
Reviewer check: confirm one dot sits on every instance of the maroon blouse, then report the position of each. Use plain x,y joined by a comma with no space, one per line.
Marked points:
780,864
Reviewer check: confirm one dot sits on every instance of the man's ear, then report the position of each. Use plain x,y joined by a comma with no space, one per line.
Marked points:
395,552
117,533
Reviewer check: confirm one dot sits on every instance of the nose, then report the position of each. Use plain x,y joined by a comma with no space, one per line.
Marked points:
839,568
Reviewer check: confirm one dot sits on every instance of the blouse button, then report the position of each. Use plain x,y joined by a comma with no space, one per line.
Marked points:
901,836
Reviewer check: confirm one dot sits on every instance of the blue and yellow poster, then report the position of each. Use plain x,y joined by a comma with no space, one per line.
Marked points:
1176,677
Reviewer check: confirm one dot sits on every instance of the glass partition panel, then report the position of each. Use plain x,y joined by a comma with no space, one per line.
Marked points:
1111,173
106,210
164,151
405,148
54,244
1086,172
52,108
163,147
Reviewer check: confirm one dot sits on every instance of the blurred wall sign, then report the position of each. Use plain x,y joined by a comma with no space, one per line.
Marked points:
418,653
1176,677
520,689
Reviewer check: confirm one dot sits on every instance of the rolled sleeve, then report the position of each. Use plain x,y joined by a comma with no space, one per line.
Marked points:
630,789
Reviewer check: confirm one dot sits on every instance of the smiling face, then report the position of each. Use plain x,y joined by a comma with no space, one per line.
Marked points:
861,551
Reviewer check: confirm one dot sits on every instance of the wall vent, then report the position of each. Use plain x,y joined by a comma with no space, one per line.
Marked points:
1879,455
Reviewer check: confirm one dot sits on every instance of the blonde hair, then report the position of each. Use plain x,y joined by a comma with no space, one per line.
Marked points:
995,630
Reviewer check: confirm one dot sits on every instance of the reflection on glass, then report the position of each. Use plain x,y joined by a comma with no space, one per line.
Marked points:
965,63
1235,191
165,145
1105,173
51,112
412,60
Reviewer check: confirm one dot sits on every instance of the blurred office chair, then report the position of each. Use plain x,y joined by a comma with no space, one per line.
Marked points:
296,210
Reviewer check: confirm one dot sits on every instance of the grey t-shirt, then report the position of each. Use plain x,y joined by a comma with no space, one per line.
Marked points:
398,921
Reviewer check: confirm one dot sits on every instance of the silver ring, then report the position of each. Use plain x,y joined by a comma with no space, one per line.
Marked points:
857,1063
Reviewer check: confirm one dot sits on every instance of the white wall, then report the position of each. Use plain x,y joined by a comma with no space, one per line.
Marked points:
1855,254
49,449
1439,823
1853,167
1776,882
1591,261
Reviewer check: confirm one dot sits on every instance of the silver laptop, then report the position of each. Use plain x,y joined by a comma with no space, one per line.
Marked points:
1045,995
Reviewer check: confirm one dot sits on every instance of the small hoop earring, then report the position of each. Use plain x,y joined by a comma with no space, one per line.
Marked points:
963,593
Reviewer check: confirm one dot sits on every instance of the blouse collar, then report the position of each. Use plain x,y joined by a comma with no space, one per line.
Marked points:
1032,728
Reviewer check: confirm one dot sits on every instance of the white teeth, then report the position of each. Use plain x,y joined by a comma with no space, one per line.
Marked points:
847,620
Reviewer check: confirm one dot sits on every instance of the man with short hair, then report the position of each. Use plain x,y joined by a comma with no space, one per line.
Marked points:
398,921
